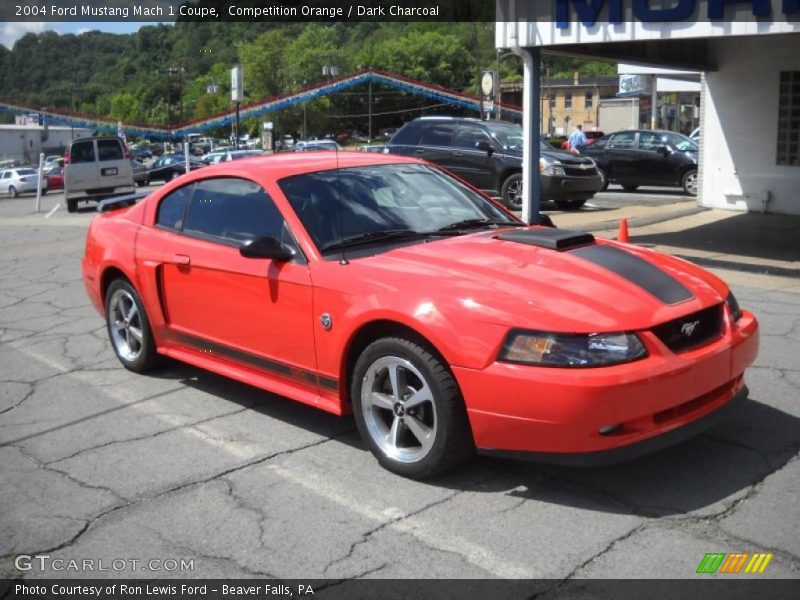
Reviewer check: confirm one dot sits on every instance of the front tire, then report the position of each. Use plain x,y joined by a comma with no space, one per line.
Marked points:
129,328
511,191
689,183
409,410
12,191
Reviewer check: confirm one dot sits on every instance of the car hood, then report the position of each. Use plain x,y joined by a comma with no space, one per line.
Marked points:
566,158
519,285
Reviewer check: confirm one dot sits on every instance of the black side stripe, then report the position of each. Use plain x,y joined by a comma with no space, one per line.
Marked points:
266,364
640,272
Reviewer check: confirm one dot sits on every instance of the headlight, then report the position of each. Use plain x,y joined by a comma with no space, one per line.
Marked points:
548,166
564,350
733,306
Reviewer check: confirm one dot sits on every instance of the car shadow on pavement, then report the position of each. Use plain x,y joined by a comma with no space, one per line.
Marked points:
703,474
754,235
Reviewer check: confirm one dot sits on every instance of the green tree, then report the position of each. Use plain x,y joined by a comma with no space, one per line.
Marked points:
263,64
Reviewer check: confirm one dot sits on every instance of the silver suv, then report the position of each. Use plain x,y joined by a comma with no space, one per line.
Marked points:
94,168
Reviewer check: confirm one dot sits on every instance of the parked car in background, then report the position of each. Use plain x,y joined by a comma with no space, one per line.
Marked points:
376,148
55,179
141,174
695,135
645,157
315,145
94,168
488,154
141,153
172,166
52,163
591,136
21,180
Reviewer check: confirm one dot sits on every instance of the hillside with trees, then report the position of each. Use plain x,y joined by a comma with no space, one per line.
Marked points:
164,74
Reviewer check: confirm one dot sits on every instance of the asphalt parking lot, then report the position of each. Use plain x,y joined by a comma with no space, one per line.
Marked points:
99,463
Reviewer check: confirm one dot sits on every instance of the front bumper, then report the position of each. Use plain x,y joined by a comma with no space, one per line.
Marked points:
558,187
553,411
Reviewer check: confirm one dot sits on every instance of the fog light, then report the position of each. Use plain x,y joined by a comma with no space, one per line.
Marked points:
610,429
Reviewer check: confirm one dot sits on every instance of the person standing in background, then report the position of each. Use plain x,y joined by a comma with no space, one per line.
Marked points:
576,139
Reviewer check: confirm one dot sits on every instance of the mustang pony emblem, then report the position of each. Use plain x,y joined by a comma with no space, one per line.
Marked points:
688,328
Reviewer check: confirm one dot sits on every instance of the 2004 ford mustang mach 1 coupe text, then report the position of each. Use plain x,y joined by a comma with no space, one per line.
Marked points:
384,286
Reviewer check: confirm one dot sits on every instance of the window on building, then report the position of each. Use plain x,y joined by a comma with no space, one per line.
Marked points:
789,119
568,100
588,99
552,101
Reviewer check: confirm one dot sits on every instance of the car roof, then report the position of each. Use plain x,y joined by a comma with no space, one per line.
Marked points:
298,163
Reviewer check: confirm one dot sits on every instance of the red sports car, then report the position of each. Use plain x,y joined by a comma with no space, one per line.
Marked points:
383,286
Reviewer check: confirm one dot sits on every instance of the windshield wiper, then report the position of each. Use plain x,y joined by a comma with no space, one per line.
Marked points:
374,236
478,224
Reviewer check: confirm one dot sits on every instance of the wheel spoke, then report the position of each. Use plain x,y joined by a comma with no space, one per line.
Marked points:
137,334
381,401
398,379
119,325
394,433
131,312
422,396
420,431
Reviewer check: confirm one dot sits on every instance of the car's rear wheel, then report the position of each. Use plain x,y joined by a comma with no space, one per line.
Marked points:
72,205
409,410
570,204
511,191
12,191
129,328
689,183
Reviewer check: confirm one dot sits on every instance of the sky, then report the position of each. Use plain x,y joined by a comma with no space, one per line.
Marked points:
12,31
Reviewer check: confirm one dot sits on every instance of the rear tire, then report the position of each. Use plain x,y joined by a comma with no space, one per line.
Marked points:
129,328
605,179
689,183
409,410
569,204
511,191
72,205
12,191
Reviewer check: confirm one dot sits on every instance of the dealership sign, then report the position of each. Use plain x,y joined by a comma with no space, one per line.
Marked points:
588,11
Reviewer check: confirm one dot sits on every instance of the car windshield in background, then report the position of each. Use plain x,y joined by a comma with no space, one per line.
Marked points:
509,135
362,203
681,142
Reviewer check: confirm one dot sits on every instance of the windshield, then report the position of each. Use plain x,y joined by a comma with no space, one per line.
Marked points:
347,203
681,142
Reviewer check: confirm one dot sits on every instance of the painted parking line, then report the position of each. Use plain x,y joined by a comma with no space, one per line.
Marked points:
54,209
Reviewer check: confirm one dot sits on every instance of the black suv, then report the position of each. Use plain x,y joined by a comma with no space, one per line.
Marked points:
488,154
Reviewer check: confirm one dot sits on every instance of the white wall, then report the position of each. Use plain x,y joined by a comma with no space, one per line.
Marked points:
740,123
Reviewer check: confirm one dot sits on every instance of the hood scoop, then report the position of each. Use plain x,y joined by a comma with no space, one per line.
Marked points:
552,239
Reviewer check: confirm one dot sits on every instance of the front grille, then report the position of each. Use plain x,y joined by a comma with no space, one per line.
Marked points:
575,171
692,330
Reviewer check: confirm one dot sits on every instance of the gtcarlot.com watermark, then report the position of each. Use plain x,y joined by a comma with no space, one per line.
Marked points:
44,562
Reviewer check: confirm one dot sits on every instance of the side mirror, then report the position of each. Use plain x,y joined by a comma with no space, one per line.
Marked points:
266,247
485,146
664,150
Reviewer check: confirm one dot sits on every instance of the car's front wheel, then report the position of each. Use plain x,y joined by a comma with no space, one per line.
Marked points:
129,328
689,183
511,191
409,410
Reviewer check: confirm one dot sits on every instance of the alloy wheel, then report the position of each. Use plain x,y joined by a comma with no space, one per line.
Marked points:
125,325
398,409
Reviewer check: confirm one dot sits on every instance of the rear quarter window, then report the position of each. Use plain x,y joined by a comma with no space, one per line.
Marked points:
436,135
408,135
173,207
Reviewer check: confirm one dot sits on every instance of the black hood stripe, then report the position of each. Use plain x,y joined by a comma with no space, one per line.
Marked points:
640,272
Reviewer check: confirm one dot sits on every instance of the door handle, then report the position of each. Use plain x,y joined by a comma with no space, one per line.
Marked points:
181,259
458,154
419,151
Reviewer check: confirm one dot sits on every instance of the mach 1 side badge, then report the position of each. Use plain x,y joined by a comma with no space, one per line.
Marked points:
326,321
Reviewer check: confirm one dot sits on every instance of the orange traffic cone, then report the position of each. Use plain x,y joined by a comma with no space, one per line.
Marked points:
622,236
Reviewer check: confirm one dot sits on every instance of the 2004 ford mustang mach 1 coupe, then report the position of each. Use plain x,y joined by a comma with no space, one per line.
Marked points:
384,286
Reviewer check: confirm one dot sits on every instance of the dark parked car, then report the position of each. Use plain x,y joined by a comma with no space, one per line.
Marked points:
488,154
172,166
645,157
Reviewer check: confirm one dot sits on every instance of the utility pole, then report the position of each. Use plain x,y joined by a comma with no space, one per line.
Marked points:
369,111
237,85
